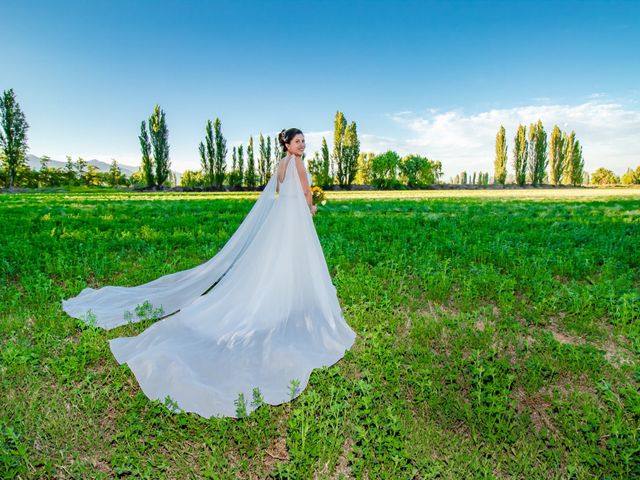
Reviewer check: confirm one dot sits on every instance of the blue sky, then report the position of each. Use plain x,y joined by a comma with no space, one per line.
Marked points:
434,78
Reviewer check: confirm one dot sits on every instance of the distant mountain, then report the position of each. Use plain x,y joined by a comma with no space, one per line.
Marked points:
34,163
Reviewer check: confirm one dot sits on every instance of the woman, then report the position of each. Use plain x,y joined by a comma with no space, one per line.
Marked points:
262,313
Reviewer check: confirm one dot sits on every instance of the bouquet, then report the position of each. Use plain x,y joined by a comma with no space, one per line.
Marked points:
317,195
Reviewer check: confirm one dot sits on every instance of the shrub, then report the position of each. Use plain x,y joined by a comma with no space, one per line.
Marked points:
416,170
384,168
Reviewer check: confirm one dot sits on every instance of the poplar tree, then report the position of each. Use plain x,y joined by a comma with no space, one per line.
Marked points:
207,155
159,136
250,176
537,162
350,152
556,156
13,134
541,154
240,165
234,167
532,152
339,127
264,162
270,162
500,164
219,157
520,155
147,160
277,150
577,164
568,144
204,161
326,164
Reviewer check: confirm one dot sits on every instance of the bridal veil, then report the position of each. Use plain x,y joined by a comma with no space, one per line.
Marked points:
262,313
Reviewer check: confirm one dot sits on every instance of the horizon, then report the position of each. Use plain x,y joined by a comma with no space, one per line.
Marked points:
431,78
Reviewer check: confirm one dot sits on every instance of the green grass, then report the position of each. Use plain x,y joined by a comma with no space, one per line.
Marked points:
497,338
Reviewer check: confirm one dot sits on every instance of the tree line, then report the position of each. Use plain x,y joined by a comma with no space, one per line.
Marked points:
345,165
535,160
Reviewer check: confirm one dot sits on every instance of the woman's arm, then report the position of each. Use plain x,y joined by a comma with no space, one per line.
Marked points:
302,173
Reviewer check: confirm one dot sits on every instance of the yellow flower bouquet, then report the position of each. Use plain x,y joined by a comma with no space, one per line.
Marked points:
318,196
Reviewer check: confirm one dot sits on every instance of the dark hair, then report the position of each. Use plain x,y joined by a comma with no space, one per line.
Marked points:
286,135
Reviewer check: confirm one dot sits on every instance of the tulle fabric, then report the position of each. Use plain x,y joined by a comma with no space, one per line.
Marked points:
272,317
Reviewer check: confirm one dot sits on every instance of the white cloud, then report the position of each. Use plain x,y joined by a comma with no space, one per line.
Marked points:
608,132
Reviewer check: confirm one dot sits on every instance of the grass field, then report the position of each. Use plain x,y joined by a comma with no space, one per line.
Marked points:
498,337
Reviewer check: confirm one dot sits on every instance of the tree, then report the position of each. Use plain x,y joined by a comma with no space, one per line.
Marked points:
416,170
191,179
532,135
384,168
115,174
363,177
220,157
69,170
568,141
537,161
350,152
277,150
315,168
207,155
233,175
602,176
631,177
80,165
319,167
147,160
92,176
339,127
500,163
159,135
264,163
13,135
520,155
326,164
250,176
577,164
573,172
45,173
240,165
556,156
204,160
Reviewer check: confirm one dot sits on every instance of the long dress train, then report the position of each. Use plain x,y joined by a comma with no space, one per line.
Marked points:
271,318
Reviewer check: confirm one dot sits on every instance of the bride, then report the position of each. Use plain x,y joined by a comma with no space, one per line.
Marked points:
262,313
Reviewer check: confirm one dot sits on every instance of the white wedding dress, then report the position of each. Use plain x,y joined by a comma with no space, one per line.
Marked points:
271,317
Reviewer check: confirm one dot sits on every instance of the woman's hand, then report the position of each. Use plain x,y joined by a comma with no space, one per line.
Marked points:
313,209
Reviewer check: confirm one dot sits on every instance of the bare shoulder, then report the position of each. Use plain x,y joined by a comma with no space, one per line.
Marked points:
300,164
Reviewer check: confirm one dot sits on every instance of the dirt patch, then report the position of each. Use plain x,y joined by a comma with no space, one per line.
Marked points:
342,467
433,309
276,452
616,355
560,336
537,405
